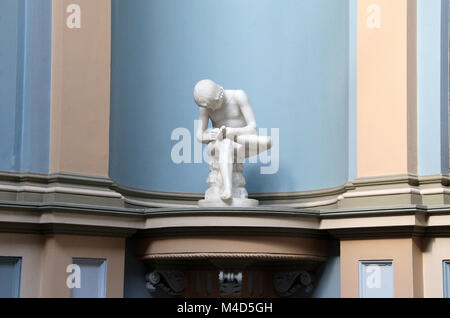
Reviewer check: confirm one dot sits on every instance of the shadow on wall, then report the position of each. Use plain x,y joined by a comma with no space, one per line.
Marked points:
328,276
135,270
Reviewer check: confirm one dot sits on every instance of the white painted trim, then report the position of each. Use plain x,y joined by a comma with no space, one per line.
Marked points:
157,204
64,190
360,194
435,191
310,204
373,193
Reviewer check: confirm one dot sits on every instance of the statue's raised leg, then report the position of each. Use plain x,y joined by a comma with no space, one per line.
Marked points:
239,195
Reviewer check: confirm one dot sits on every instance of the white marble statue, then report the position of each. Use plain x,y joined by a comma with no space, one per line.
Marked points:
232,139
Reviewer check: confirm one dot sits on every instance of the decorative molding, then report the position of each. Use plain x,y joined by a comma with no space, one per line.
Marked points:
381,186
301,195
240,256
406,231
74,203
288,283
379,211
55,178
410,179
149,204
154,199
306,205
64,190
375,193
108,193
443,179
227,231
58,188
157,199
172,283
28,217
157,195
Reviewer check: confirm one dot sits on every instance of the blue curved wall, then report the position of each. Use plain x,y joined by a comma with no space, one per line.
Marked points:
290,56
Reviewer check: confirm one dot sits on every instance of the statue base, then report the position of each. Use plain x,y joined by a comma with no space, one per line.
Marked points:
237,202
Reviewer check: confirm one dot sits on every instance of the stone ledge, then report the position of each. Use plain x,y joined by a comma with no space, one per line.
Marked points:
64,217
395,190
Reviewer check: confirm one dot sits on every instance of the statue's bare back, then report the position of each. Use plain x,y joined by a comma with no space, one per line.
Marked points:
229,115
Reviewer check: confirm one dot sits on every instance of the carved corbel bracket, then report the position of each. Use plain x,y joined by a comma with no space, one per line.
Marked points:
288,283
171,282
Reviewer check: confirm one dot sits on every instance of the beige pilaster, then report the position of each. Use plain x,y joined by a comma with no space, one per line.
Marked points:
80,96
387,87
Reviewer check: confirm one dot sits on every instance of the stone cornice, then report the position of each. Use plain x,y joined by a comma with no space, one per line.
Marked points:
424,189
385,180
110,221
46,179
65,203
221,256
159,195
409,189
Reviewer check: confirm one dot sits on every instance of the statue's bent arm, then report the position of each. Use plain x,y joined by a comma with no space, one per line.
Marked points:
202,134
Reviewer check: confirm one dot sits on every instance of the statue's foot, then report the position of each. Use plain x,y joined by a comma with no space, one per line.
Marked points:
226,195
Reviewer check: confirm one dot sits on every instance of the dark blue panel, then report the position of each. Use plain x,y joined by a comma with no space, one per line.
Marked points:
25,75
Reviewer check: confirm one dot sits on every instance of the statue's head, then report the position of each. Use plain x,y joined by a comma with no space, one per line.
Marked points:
208,94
